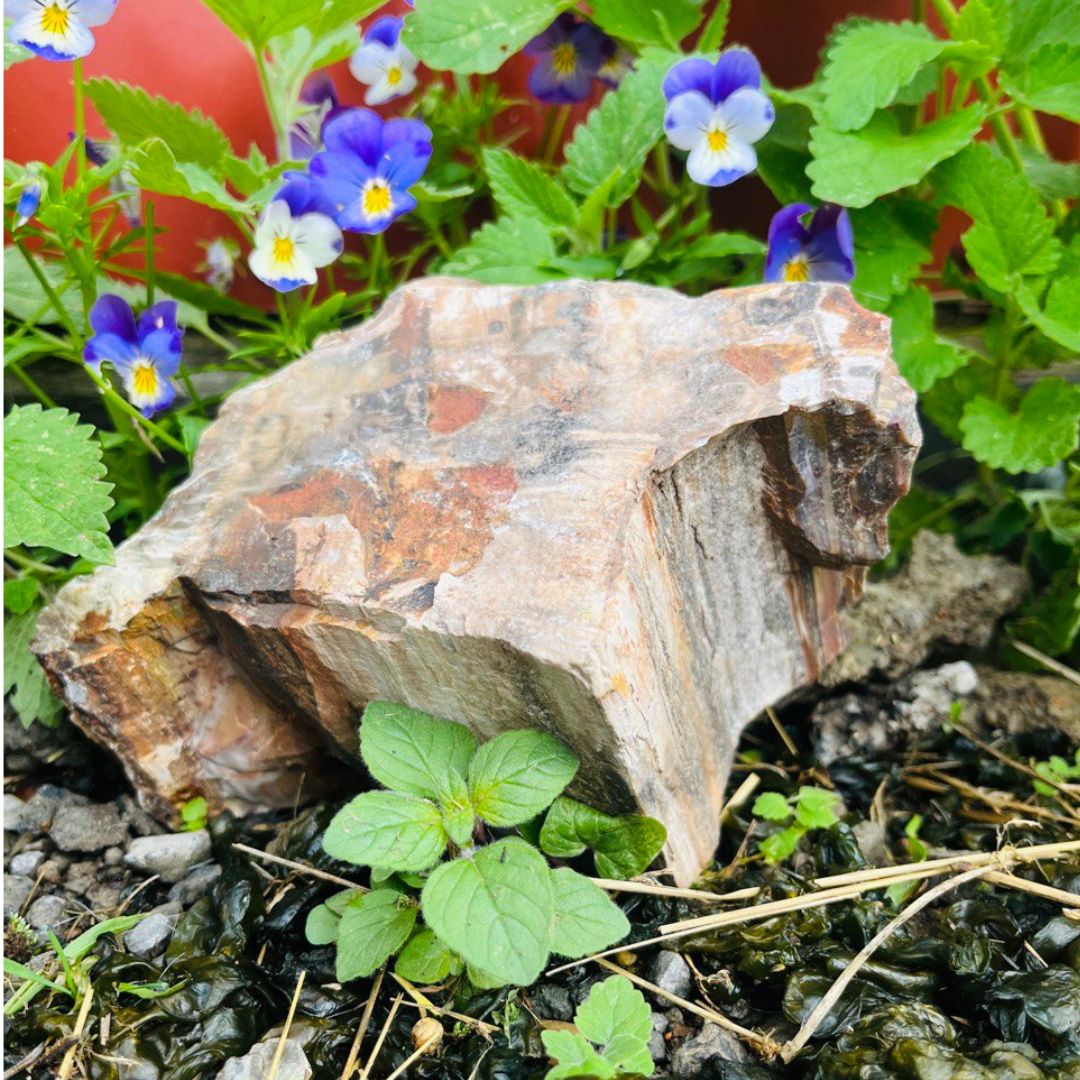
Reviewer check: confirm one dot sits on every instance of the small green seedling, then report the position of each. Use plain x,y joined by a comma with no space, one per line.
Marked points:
495,907
613,1027
1054,772
810,807
193,814
918,852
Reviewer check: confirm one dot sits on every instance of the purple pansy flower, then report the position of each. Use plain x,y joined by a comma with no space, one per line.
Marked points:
717,112
822,251
29,201
57,29
368,166
320,98
383,64
294,238
569,53
145,356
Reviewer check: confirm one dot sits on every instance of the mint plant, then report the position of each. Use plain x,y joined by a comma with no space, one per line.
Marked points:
488,902
809,808
612,1039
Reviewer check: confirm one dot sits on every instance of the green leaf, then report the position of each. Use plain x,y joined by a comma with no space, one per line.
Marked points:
575,1057
54,496
1051,179
627,846
784,153
23,295
715,30
523,189
257,21
1040,433
372,929
815,808
772,806
1035,23
1012,235
892,244
985,22
1049,82
134,116
20,594
24,678
513,251
156,169
570,827
1059,315
457,812
586,918
614,1007
321,926
781,845
920,355
408,750
383,828
868,63
644,22
495,909
425,959
853,168
620,131
629,1056
517,774
475,36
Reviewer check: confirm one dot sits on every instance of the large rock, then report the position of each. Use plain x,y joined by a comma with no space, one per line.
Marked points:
606,510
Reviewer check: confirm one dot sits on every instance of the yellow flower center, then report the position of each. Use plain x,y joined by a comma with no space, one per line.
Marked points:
797,269
393,75
144,378
54,19
564,59
283,249
717,140
376,199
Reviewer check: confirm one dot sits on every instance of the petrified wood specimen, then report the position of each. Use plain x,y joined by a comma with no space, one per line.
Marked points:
606,510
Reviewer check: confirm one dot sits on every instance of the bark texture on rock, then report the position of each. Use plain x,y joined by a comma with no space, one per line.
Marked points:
610,511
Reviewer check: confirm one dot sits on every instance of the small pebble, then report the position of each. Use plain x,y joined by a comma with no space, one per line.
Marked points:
194,886
27,863
657,1045
52,870
88,827
711,1042
256,1063
81,877
47,913
16,891
113,856
170,855
149,938
671,973
15,819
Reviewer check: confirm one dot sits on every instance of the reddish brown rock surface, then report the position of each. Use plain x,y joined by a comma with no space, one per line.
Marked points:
606,510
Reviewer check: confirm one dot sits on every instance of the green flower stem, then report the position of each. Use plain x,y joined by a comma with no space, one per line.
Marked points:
24,562
196,400
80,118
148,248
554,126
50,292
31,384
281,133
662,161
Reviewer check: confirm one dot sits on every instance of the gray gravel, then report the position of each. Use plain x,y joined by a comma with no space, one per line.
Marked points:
150,937
711,1042
27,863
87,826
171,855
194,886
16,890
671,973
48,913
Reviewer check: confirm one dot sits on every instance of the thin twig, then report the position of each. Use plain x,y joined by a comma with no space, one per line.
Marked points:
424,1003
669,891
740,795
833,994
789,745
279,1053
1047,662
419,1052
361,1031
762,1042
80,1022
381,1039
299,867
1036,888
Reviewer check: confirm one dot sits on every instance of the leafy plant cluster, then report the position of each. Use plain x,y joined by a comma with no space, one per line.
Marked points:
809,808
460,825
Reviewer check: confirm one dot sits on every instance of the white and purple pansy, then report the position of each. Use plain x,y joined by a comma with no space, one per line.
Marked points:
383,64
145,355
294,238
717,112
29,201
821,250
57,29
570,52
319,103
368,166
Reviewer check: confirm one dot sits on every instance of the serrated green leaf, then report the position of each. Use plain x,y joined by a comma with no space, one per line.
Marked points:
154,168
257,21
517,774
385,828
570,827
513,251
855,167
892,243
614,1007
23,295
495,909
645,22
475,36
1058,317
986,22
575,1057
457,812
781,845
1035,23
1012,235
522,189
715,30
868,63
627,846
134,116
620,131
24,679
371,930
20,594
408,750
920,355
1049,81
629,1056
1040,433
815,808
425,959
586,918
1051,179
772,806
54,496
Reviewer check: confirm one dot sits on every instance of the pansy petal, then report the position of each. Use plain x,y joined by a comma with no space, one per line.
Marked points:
276,217
94,12
318,89
688,76
383,90
734,69
404,163
369,62
826,270
303,194
112,347
554,88
299,270
591,45
401,130
77,41
319,238
161,316
747,114
164,347
112,315
556,34
786,239
148,388
715,168
386,31
357,132
831,244
687,118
